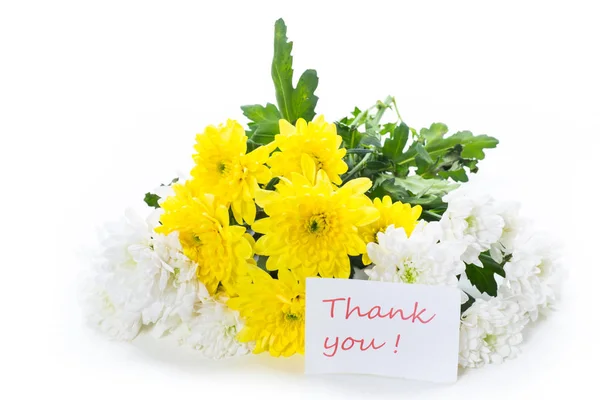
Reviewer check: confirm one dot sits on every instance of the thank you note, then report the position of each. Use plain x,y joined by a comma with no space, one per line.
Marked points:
380,328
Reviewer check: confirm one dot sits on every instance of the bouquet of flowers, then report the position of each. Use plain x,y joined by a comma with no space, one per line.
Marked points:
221,260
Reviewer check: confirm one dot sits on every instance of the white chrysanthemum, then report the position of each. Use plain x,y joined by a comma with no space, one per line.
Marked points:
107,309
513,226
473,219
214,329
490,332
175,283
142,278
420,258
532,274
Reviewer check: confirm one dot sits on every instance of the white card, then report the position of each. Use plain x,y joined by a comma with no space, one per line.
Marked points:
380,328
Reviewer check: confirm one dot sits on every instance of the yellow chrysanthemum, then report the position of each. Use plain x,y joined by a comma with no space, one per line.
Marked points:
398,214
273,310
224,169
220,250
317,139
313,224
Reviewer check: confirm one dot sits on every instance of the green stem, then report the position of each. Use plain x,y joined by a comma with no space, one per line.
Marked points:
381,109
357,167
272,183
396,109
359,151
432,214
431,153
356,121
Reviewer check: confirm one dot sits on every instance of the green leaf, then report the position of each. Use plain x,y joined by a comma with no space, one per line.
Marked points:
265,122
482,279
472,145
371,136
464,307
384,186
423,160
293,103
442,157
458,175
371,140
303,97
350,135
474,149
152,200
394,145
377,166
281,70
489,263
420,187
436,131
423,154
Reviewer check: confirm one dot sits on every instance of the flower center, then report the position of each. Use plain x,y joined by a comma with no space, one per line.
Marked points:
291,317
318,162
318,224
490,340
409,273
231,331
222,167
471,222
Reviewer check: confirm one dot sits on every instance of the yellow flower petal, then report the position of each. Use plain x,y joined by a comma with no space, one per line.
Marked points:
397,214
223,168
318,140
206,236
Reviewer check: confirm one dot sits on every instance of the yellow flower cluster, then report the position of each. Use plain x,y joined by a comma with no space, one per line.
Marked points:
220,249
312,223
224,169
317,140
273,310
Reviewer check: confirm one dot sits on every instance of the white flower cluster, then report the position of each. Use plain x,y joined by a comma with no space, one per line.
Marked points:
436,252
144,279
490,332
214,329
422,258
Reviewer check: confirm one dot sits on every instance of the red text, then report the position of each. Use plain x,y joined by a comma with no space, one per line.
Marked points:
416,314
347,344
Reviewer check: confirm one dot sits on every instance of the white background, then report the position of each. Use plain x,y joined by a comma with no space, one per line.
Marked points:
100,102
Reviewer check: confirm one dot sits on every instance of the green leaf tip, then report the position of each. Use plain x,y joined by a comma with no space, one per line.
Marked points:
298,102
292,102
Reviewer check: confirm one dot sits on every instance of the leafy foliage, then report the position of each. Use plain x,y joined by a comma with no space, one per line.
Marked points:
415,167
292,103
410,166
264,123
304,100
483,278
393,146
